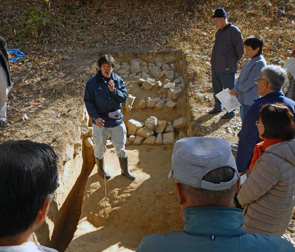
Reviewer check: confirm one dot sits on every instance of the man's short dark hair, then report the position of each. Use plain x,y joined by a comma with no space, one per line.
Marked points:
106,59
278,121
28,174
254,41
212,198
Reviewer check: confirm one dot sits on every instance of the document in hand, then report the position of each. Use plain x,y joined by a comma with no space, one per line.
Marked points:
230,102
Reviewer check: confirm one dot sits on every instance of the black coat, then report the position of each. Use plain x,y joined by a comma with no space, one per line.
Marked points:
4,59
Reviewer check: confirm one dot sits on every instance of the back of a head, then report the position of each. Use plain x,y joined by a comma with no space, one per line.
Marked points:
278,121
207,169
275,75
28,173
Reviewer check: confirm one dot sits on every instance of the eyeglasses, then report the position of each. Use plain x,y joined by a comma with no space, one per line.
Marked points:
257,80
257,123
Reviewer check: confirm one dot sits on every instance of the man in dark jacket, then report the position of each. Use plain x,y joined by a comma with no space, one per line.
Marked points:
5,83
269,84
207,176
227,51
104,95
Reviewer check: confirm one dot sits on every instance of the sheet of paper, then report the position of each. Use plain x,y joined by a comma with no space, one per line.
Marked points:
230,102
290,65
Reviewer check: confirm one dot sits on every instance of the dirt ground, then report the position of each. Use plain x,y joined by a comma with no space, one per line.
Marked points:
46,102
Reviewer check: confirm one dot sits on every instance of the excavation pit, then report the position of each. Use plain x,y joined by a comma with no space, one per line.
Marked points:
115,215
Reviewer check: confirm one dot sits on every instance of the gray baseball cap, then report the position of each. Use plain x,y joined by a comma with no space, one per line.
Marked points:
194,157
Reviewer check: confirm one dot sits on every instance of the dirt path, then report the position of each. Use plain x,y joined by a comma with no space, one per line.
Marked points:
133,209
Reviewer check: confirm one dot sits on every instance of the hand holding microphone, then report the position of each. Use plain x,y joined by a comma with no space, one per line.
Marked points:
111,85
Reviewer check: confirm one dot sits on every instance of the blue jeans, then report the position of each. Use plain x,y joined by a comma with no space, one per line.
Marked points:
243,111
118,137
221,81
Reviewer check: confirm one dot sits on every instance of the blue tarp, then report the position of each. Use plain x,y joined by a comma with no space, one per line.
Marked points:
17,53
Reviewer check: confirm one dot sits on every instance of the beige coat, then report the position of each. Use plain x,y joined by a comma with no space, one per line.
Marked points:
268,195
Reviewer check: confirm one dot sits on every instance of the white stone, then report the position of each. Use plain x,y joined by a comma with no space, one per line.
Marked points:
170,104
143,64
144,132
159,139
132,76
122,72
140,81
169,127
145,75
135,67
159,61
117,67
170,74
180,123
159,83
156,71
133,126
144,70
142,104
151,122
138,140
174,93
166,67
161,126
150,140
169,138
169,85
159,105
147,85
131,139
129,102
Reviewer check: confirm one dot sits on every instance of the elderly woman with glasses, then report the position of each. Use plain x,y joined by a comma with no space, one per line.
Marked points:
267,196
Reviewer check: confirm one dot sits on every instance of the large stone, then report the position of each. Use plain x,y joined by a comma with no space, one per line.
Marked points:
135,66
123,72
170,74
174,93
156,71
159,105
161,126
169,127
147,85
159,61
180,123
150,140
151,122
170,104
169,85
151,102
166,67
142,104
138,140
144,132
169,138
159,139
131,139
129,102
133,126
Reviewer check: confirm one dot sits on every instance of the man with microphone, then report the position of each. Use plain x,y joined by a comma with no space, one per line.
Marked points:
104,94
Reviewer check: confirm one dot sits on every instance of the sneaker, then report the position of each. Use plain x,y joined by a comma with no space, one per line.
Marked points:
214,111
4,124
229,115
